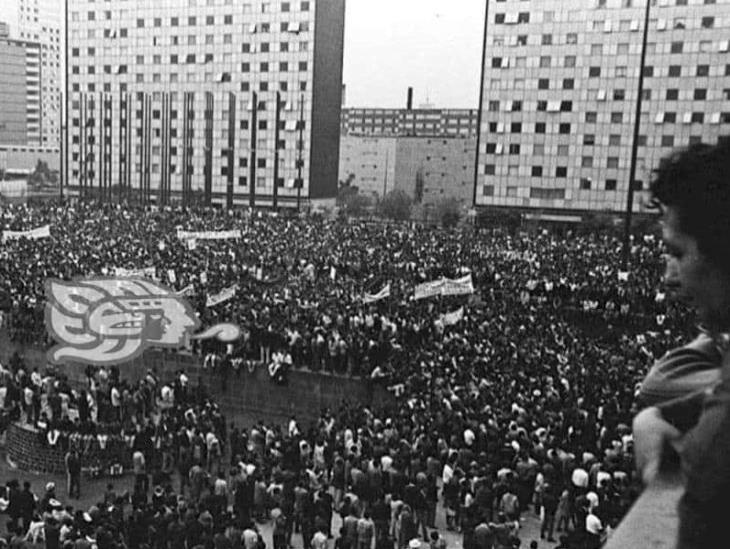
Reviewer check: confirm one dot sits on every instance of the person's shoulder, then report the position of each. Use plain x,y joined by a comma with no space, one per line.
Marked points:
682,371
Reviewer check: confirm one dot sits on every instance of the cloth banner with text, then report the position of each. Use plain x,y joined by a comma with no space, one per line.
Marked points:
445,286
40,232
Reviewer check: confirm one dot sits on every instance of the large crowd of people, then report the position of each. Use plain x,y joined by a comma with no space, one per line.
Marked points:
519,403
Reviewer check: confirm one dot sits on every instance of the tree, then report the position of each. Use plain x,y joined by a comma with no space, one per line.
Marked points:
448,212
396,205
418,193
351,202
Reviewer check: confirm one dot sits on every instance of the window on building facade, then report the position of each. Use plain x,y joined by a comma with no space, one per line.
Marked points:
568,83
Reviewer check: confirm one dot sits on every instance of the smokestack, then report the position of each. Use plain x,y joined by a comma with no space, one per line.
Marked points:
409,102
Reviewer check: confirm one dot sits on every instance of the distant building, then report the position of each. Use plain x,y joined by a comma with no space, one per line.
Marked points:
179,98
405,122
427,168
559,95
42,22
20,92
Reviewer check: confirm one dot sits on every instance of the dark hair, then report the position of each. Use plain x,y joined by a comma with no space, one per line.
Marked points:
695,181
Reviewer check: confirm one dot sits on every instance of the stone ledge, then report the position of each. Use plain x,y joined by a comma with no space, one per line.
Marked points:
652,521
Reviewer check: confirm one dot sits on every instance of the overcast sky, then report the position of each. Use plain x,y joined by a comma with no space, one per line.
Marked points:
433,45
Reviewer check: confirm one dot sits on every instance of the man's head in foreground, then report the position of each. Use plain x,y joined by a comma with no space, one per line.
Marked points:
692,190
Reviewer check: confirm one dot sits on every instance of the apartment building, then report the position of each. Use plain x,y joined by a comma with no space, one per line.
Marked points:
560,89
409,122
20,91
236,101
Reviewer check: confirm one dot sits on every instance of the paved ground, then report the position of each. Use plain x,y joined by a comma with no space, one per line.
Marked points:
91,490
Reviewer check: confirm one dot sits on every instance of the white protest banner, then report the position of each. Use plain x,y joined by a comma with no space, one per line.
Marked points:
382,294
333,273
458,286
208,235
449,319
171,276
203,277
147,272
40,232
192,244
428,289
220,297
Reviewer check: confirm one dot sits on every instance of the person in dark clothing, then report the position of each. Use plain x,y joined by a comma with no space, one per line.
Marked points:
26,505
550,506
692,193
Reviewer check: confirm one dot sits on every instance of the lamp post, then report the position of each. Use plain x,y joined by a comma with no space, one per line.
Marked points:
635,146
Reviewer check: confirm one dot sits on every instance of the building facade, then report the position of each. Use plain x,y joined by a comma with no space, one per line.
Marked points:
559,97
409,122
41,22
236,101
20,91
428,169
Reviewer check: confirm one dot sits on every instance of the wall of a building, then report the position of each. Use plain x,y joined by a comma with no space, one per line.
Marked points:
329,43
13,113
560,90
445,164
26,158
372,162
239,52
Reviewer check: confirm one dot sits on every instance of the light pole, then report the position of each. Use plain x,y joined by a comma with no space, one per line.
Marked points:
635,145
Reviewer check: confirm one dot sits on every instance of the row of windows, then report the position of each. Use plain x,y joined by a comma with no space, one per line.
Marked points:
596,71
616,118
604,25
246,47
192,78
283,66
191,20
543,193
291,183
253,28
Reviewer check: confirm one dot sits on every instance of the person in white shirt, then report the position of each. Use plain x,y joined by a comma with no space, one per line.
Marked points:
594,530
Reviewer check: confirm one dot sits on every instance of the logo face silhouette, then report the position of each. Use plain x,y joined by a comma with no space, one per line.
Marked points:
107,320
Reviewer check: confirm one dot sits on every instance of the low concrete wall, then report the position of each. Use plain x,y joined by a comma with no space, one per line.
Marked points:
244,397
652,521
29,450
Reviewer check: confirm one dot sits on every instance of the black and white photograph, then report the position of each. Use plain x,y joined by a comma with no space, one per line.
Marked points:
364,274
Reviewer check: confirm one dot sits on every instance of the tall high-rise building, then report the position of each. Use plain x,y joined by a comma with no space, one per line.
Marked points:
20,92
228,101
559,97
42,22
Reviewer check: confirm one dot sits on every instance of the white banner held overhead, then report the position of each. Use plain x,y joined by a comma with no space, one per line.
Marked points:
187,290
40,232
445,286
458,286
382,294
147,272
208,235
449,319
428,289
220,297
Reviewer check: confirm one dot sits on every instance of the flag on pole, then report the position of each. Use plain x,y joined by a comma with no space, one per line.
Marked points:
220,297
382,294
